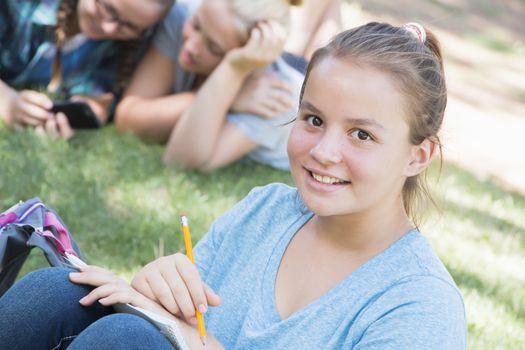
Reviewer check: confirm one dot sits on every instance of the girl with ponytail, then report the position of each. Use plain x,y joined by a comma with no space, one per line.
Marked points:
214,85
76,49
337,262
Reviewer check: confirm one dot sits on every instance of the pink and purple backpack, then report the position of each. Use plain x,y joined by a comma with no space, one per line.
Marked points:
30,224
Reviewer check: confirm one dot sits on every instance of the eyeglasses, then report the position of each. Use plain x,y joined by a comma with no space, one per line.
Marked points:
109,14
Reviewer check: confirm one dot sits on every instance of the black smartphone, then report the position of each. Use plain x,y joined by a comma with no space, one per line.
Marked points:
79,114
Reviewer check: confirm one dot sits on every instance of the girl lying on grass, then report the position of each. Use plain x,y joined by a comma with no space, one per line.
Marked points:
82,50
214,86
336,263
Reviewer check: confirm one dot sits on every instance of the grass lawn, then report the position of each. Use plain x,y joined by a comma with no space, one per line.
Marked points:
120,202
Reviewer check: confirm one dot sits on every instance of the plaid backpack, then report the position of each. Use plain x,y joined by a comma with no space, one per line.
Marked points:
30,224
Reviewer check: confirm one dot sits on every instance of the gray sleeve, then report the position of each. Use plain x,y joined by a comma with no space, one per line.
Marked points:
264,132
270,132
168,38
206,249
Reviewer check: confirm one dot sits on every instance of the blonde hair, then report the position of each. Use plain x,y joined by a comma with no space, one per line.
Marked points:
417,67
249,12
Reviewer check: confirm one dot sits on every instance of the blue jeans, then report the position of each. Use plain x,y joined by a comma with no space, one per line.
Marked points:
41,311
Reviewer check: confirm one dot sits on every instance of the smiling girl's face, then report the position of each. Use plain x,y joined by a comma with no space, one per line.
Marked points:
208,35
118,19
349,148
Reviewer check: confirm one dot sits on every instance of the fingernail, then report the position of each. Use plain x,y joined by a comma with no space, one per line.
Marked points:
74,274
202,308
193,320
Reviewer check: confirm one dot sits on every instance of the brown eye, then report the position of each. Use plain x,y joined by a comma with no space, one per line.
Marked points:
361,135
314,120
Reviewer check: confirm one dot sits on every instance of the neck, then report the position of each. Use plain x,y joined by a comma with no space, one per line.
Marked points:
364,232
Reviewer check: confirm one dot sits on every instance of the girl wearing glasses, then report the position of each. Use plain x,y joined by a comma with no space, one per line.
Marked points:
76,49
214,86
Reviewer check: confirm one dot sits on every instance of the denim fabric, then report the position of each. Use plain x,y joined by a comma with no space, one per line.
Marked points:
41,311
121,331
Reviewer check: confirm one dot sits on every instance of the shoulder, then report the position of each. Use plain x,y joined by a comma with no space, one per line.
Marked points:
168,36
178,14
264,199
172,24
415,254
416,312
274,191
415,270
415,303
269,206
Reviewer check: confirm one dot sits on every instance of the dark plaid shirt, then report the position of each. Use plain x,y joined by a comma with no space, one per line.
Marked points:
27,49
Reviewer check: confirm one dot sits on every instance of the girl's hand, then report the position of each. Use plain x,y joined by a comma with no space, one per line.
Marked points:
30,108
265,94
174,282
110,288
264,47
99,104
56,127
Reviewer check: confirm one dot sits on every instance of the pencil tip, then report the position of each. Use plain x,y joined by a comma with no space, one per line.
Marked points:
203,340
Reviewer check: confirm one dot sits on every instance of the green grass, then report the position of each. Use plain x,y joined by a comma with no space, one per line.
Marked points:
119,201
490,41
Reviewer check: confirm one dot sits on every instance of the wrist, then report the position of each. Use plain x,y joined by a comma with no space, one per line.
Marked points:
6,113
241,67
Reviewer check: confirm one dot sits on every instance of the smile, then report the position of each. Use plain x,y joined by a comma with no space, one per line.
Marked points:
328,179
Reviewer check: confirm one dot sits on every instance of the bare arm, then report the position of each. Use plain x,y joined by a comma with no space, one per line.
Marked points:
146,109
7,94
202,137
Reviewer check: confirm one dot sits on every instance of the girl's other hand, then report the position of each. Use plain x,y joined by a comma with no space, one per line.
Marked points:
110,289
100,104
30,108
56,127
264,46
265,94
174,282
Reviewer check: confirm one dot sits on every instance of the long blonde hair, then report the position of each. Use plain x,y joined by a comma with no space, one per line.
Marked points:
249,12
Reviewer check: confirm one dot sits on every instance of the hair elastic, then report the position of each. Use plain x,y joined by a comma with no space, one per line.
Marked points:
417,30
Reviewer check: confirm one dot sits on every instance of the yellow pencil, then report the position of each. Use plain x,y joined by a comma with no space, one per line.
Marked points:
189,253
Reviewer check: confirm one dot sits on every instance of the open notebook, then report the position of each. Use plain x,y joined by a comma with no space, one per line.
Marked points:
168,327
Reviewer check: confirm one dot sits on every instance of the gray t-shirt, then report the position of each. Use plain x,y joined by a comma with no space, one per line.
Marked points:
271,135
403,298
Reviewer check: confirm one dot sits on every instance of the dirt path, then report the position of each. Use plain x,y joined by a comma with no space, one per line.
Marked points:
484,48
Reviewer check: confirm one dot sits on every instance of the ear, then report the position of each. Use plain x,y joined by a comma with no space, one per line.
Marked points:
420,158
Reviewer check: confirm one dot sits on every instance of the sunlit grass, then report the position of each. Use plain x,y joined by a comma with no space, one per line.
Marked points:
120,202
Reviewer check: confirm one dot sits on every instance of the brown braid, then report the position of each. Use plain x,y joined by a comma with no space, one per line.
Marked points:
128,51
128,55
67,26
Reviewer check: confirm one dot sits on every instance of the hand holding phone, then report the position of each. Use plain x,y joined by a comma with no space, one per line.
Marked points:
79,114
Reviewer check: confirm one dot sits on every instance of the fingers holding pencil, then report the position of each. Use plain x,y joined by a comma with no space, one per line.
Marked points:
174,282
201,308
